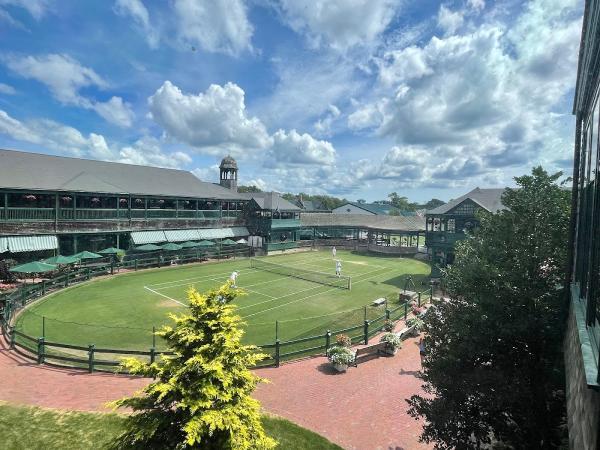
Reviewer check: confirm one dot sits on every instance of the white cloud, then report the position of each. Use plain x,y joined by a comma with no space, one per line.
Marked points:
323,125
7,89
210,173
138,12
295,148
63,75
115,111
340,24
213,121
147,152
68,140
448,20
36,8
258,182
476,5
367,116
216,26
66,78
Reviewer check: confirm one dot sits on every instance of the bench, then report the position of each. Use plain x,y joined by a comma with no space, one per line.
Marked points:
379,301
373,349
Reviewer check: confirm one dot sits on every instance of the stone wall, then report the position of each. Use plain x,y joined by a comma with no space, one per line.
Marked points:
583,403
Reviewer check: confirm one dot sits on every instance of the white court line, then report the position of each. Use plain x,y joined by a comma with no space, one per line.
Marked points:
165,296
189,281
318,293
259,293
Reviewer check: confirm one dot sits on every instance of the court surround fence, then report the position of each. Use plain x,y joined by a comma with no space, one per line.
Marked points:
94,358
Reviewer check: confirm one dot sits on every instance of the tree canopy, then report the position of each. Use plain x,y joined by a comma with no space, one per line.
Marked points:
493,370
201,395
250,188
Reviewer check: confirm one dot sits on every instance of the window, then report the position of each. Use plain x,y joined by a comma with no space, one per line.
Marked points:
466,208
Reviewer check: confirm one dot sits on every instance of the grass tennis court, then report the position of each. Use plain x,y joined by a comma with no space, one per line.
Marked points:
121,311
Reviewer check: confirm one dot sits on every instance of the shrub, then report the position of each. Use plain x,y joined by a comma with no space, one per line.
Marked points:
343,340
201,396
5,274
392,339
388,325
340,355
415,322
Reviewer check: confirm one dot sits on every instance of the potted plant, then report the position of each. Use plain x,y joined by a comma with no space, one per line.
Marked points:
341,357
343,340
388,325
393,342
416,323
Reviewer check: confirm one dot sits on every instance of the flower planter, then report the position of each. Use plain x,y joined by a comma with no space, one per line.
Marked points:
391,350
340,367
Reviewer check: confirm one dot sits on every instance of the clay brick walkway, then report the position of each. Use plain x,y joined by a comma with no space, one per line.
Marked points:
363,409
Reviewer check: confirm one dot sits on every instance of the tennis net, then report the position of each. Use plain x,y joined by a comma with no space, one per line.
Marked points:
343,281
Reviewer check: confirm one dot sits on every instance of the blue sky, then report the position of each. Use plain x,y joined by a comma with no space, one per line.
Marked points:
355,98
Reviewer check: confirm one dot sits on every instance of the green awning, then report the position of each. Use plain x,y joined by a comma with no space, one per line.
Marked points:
148,237
19,244
171,246
222,233
3,244
182,235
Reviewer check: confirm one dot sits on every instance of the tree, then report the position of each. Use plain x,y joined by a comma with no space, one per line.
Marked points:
433,203
402,203
251,188
361,201
493,371
201,396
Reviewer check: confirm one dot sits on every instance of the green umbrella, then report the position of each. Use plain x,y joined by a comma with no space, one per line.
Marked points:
60,259
86,255
171,246
110,251
34,267
148,248
206,244
228,242
189,244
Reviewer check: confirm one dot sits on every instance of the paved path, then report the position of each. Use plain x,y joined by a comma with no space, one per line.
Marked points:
362,409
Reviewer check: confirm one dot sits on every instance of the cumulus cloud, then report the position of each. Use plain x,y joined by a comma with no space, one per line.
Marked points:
136,10
66,78
210,173
216,26
213,121
68,140
295,148
323,125
477,101
36,8
339,24
449,21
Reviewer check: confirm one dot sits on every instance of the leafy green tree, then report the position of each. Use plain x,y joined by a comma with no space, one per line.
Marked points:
402,203
493,370
433,203
361,201
201,395
251,188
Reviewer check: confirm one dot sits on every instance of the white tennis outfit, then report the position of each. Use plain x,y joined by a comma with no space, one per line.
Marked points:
233,277
333,252
338,268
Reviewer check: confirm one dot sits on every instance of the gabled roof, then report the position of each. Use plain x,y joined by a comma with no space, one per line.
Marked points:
37,172
270,201
373,208
378,222
311,205
488,199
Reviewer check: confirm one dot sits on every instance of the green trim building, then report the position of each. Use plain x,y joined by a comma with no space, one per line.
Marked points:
582,340
449,223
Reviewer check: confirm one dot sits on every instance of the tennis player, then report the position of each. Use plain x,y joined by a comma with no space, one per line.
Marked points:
333,252
338,267
233,278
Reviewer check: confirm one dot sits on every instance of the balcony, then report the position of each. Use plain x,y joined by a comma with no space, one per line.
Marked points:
442,238
101,214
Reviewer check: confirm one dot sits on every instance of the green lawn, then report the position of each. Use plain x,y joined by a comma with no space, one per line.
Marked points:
30,428
120,311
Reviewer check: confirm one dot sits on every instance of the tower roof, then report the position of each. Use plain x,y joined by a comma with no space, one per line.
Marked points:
228,163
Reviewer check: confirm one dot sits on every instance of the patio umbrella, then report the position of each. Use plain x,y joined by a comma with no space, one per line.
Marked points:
87,255
206,244
190,244
33,267
228,242
171,246
148,248
60,259
242,241
110,251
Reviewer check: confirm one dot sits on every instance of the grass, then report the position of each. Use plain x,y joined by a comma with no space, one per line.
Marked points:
121,311
31,428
